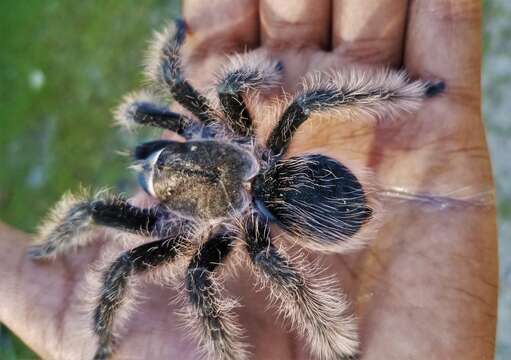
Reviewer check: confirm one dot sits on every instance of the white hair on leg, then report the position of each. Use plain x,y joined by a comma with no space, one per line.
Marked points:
164,43
207,313
381,93
67,226
252,70
245,76
125,112
214,324
312,304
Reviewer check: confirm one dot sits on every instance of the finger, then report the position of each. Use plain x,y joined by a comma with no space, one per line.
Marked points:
369,31
221,25
444,40
449,155
295,24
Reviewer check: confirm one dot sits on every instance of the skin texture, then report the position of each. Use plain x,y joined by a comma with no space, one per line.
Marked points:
426,287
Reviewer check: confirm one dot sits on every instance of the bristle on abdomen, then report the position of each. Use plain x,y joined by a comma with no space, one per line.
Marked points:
317,200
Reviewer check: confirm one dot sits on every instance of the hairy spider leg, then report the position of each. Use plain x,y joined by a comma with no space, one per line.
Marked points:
144,150
164,67
73,218
314,306
116,281
245,73
144,109
209,315
159,116
386,92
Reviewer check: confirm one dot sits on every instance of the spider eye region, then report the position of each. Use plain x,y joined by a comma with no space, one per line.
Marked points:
199,179
313,197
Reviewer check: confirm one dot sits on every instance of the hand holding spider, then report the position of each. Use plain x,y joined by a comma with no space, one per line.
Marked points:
424,164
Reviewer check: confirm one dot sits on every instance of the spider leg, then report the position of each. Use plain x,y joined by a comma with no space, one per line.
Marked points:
72,220
208,314
244,73
144,108
163,66
312,305
378,92
144,150
116,283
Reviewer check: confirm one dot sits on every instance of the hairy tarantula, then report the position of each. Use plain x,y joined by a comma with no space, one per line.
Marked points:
221,189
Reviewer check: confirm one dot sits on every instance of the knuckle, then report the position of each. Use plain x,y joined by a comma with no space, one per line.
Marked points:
279,33
369,51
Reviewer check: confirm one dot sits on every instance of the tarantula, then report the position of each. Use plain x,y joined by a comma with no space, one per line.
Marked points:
222,189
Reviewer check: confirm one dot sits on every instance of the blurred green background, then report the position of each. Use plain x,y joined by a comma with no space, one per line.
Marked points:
63,66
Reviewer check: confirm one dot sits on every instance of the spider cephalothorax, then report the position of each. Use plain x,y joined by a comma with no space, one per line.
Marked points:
198,179
221,187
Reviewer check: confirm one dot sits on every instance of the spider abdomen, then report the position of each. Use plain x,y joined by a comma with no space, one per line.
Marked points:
316,197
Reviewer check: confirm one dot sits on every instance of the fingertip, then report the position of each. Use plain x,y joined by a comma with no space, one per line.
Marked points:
444,39
301,24
369,31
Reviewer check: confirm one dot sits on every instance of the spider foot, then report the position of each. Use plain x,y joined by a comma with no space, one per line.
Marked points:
103,353
435,88
66,225
144,108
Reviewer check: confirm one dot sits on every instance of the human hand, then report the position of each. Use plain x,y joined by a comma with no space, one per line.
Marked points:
426,286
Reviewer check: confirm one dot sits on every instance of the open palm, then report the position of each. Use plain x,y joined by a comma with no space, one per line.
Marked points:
426,287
